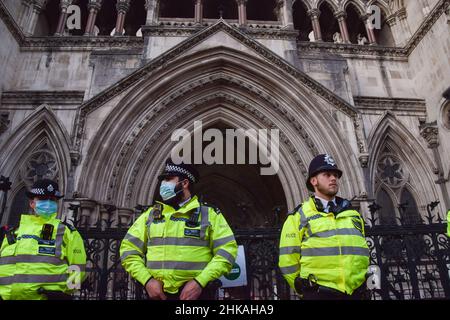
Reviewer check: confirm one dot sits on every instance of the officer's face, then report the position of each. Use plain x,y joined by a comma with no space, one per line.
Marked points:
177,181
33,201
326,183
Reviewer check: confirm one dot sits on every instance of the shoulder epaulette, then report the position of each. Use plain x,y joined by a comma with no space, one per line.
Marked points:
295,210
68,225
216,209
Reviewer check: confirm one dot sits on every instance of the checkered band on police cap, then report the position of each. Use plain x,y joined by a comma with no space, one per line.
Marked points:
38,191
175,168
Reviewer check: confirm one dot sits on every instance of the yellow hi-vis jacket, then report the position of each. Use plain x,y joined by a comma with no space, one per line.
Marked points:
331,248
170,251
32,263
448,223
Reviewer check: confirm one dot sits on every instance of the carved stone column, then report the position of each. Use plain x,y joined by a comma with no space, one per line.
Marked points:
242,9
430,132
198,11
25,12
285,12
94,7
125,217
152,8
370,30
63,5
38,6
122,7
341,17
314,15
88,212
402,18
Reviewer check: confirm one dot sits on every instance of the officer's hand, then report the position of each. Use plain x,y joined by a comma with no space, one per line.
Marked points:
192,291
155,290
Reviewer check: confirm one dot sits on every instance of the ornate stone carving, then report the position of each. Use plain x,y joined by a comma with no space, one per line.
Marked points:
147,70
364,160
43,97
222,97
416,106
41,163
391,171
95,4
123,6
4,122
430,132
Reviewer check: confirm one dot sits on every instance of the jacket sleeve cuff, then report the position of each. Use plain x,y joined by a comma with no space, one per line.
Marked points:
202,280
203,287
144,279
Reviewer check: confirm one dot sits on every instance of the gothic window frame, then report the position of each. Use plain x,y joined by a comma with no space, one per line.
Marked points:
163,4
395,184
394,200
399,178
33,162
445,115
13,218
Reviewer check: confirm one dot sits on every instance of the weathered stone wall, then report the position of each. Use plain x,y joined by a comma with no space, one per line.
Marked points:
9,53
429,66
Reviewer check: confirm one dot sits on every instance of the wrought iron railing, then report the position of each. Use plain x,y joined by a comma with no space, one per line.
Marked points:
413,260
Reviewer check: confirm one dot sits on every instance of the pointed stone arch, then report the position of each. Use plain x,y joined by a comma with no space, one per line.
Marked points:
332,5
356,4
142,119
384,6
40,133
391,137
304,3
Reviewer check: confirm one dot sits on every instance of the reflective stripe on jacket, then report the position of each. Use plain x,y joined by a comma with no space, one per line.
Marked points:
170,251
32,263
331,248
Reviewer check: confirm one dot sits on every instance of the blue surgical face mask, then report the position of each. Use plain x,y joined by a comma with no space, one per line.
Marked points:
45,208
167,190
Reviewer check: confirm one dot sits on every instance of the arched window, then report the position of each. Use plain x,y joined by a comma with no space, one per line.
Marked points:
48,19
384,35
328,23
176,9
408,208
393,190
386,214
213,8
355,25
261,10
19,206
107,16
302,22
446,115
135,17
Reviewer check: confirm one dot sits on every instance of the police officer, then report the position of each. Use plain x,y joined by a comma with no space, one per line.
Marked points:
179,246
448,223
323,251
43,258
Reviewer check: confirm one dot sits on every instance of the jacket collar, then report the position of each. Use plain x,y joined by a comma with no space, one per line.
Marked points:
193,203
33,218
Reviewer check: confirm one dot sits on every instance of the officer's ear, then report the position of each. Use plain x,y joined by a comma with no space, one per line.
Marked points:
32,203
313,181
185,183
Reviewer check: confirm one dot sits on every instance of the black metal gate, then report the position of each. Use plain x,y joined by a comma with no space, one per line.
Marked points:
413,261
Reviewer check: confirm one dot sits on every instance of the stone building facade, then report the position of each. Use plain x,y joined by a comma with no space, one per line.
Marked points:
94,107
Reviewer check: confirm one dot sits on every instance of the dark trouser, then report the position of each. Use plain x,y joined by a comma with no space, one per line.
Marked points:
325,293
208,293
55,295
